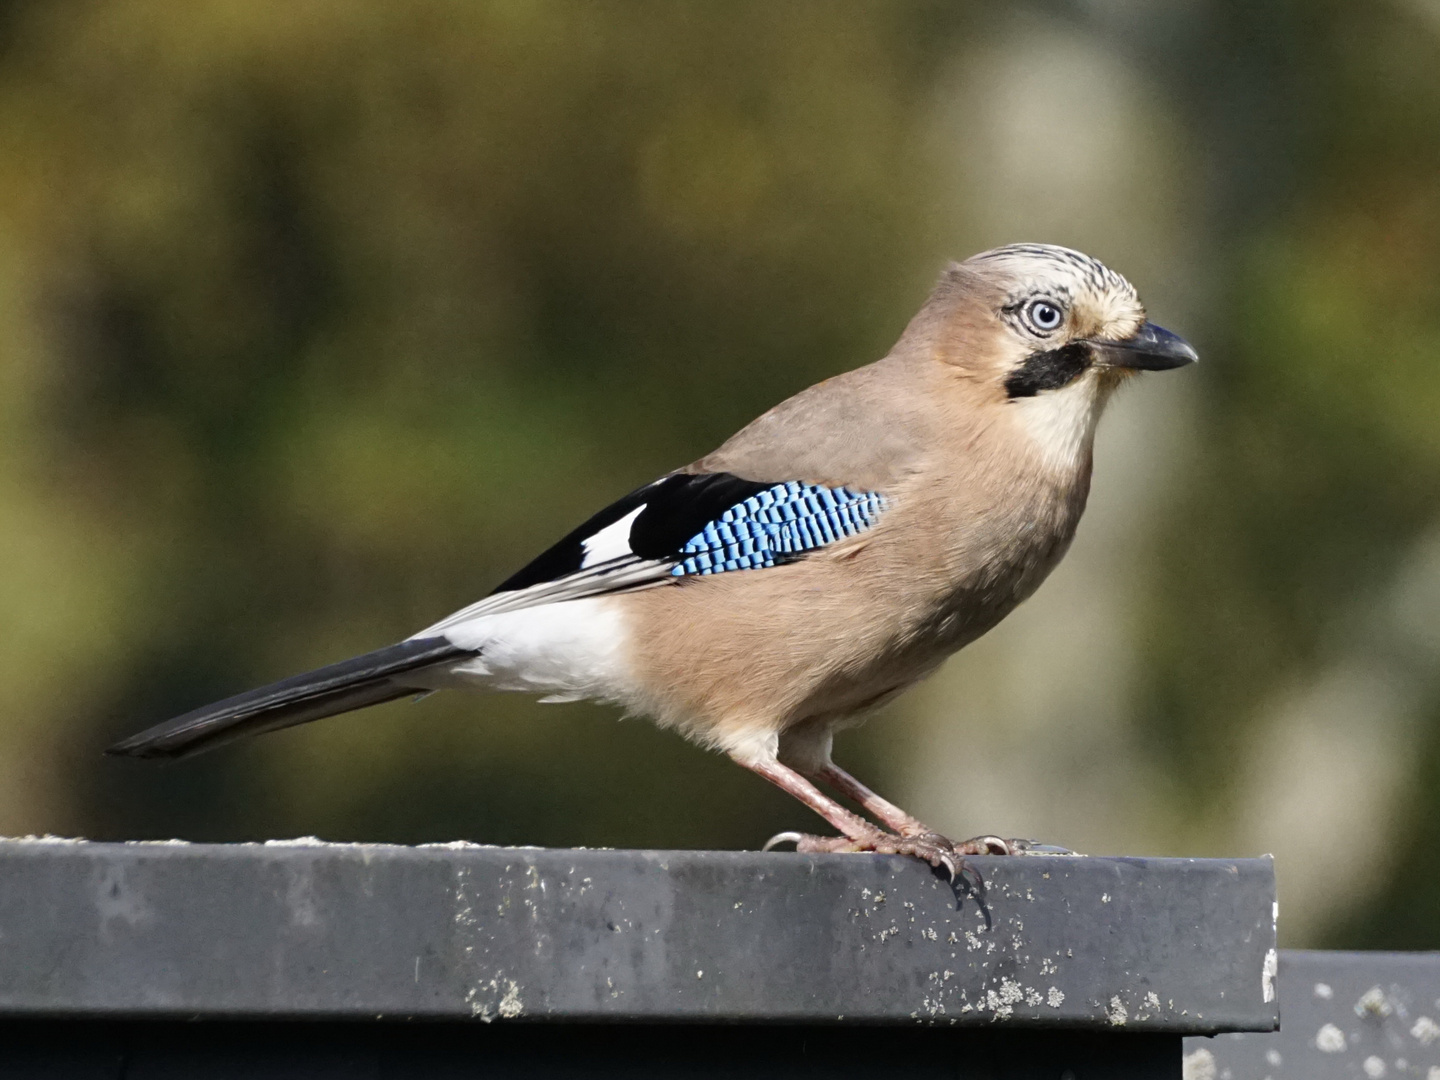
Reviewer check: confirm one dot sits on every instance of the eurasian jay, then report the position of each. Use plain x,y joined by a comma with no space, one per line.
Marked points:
828,556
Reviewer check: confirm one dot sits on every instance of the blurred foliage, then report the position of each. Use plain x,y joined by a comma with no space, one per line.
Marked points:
336,315
1321,452
1320,463
318,319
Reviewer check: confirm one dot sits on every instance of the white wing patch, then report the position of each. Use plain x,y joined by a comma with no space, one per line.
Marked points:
611,542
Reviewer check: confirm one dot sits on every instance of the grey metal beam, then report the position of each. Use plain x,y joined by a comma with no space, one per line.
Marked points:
449,932
1356,1016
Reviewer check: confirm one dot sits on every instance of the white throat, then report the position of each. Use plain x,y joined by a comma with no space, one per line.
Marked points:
1060,424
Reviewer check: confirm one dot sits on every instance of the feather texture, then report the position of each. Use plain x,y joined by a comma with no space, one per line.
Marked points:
776,524
684,524
351,684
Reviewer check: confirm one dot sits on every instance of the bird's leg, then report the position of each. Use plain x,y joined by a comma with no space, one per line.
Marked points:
859,834
876,805
894,818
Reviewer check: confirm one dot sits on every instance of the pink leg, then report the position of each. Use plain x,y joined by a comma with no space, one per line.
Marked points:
791,782
897,819
860,835
875,805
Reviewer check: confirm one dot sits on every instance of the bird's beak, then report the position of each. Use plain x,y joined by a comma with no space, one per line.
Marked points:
1153,348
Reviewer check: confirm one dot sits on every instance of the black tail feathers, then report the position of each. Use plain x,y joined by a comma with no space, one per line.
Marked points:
351,684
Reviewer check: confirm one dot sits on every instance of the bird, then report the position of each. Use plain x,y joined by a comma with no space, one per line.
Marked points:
828,556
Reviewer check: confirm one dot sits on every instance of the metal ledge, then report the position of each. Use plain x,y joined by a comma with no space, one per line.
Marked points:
357,931
1347,1015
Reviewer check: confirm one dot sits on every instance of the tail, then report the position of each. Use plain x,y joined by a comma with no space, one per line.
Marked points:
351,684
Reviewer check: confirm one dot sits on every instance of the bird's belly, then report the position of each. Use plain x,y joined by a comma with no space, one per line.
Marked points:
898,653
726,661
862,685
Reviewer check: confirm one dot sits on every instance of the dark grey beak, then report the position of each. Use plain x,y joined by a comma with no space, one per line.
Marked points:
1153,349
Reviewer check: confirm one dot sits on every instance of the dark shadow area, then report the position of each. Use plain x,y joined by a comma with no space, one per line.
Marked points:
381,1051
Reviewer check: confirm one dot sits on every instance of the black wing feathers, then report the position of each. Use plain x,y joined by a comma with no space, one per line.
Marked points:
680,506
351,684
564,557
676,508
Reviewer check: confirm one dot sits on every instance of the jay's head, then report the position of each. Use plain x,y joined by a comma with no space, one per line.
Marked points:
1050,333
1059,318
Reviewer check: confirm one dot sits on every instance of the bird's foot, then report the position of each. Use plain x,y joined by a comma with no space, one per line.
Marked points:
985,845
930,847
994,845
1036,847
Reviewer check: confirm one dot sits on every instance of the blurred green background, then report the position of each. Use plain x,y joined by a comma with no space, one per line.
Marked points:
319,318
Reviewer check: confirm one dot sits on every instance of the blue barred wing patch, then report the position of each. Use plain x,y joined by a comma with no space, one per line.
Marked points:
783,520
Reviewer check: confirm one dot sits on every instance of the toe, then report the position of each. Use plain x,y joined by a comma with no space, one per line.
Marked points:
984,845
936,840
1035,847
828,845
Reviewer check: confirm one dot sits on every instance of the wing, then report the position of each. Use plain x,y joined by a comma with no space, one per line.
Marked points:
683,525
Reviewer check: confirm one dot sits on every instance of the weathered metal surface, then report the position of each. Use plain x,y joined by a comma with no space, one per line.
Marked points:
360,931
1357,1016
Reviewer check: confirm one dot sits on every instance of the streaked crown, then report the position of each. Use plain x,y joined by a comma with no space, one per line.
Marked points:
1100,302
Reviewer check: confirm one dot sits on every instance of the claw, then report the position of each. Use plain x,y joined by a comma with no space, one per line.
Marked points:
783,838
1035,847
994,845
931,847
985,845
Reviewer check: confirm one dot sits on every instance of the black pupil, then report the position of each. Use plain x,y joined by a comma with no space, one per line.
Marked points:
1046,316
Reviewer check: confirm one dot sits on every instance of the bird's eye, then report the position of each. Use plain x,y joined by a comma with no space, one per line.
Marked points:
1044,316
